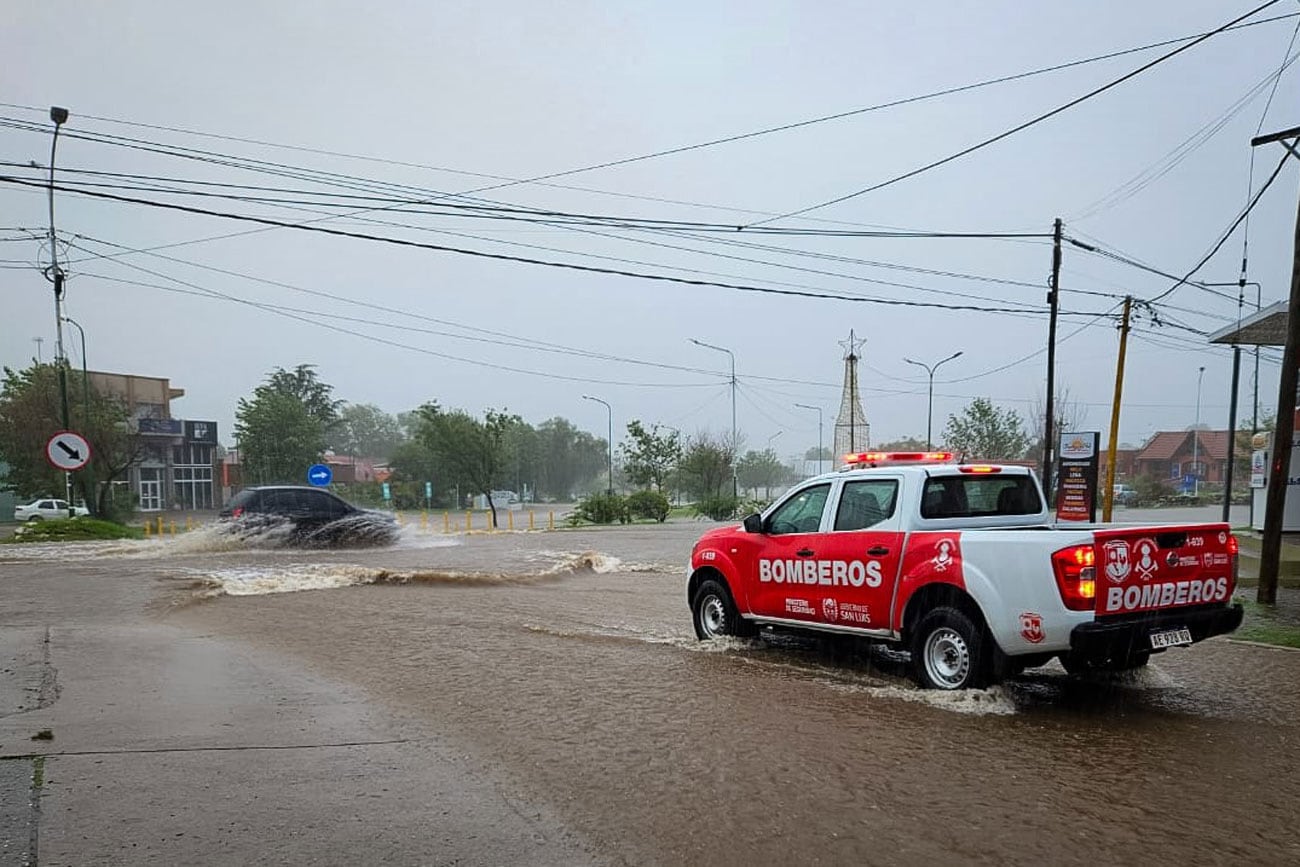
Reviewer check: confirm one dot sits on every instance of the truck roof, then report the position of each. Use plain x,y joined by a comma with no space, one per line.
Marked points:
922,469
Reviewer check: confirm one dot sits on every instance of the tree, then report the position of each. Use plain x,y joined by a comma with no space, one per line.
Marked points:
279,438
475,453
365,430
985,432
303,384
1070,416
705,466
30,415
760,470
906,444
649,456
568,458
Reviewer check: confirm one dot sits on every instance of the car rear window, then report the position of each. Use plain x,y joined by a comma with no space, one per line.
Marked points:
976,496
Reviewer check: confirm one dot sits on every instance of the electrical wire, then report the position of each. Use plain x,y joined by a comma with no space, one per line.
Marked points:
404,242
1034,121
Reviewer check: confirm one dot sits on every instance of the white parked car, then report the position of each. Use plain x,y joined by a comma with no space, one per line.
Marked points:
39,510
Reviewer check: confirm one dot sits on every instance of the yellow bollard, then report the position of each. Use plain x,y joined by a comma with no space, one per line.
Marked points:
399,518
424,520
188,525
172,526
160,525
550,520
510,519
146,529
469,519
530,519
446,522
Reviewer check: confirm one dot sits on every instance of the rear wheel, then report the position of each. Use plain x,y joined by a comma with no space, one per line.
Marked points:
950,651
714,614
34,518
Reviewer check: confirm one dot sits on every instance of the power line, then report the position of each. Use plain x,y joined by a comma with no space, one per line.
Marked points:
1022,126
404,242
1239,24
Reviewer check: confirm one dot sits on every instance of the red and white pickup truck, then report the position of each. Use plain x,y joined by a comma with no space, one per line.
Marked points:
961,565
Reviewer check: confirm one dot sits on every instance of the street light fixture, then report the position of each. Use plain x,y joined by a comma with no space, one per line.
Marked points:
818,409
85,375
610,465
929,412
735,483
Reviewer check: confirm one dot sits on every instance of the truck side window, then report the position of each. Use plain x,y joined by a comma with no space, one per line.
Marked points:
802,513
866,503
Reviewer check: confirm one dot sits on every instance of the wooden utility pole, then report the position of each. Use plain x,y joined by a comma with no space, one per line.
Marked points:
1270,556
1053,301
1108,493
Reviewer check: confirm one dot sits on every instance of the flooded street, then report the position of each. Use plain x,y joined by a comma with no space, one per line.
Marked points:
541,698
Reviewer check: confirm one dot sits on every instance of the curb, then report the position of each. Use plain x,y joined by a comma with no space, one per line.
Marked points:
1262,644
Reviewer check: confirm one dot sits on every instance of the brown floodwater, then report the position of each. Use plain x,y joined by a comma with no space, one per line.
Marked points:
566,661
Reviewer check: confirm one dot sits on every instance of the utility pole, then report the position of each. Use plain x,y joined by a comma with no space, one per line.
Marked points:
1232,432
1108,493
38,341
1270,555
820,441
55,274
1053,302
1196,437
1241,285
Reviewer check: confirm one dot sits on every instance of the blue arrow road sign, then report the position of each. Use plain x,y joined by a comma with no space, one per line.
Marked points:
320,475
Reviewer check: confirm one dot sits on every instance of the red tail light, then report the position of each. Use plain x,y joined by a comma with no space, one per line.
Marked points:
1076,577
1232,545
237,511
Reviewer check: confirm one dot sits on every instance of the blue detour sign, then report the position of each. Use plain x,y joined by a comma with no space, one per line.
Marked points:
320,475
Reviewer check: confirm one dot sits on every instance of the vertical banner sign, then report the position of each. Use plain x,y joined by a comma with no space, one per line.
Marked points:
388,492
428,493
1076,490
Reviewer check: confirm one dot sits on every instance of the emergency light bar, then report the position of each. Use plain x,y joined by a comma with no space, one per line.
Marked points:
876,459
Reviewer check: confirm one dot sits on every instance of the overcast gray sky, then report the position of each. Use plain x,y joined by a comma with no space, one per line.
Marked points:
523,89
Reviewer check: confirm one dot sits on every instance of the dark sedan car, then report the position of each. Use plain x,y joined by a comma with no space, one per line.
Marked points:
314,516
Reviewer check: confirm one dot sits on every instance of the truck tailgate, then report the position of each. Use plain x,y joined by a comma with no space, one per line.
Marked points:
1151,568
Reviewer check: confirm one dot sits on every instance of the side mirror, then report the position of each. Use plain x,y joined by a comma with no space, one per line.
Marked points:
754,523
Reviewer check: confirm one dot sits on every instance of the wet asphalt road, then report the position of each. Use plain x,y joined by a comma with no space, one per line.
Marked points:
539,698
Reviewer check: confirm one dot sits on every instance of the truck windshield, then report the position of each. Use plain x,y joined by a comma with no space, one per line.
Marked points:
968,496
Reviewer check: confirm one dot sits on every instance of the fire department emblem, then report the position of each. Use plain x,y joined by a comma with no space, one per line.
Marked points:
1031,627
1144,558
1118,566
943,555
831,610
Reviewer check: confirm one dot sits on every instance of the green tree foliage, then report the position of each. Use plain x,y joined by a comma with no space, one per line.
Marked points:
649,504
30,414
475,454
279,438
604,508
905,444
818,453
761,470
984,432
705,467
316,396
568,459
365,430
649,457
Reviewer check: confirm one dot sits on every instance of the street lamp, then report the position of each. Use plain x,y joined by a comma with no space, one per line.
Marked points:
1196,437
819,433
929,412
59,116
772,437
85,376
610,466
735,484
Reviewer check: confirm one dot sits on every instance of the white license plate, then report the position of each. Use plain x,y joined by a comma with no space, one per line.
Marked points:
1171,638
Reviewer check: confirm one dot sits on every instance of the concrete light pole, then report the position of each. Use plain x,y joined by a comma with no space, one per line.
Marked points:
820,446
610,465
735,483
55,275
929,413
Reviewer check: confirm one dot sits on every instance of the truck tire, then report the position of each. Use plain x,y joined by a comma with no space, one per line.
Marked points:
714,613
950,651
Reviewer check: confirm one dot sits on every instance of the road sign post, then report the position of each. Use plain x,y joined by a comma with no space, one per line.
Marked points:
320,475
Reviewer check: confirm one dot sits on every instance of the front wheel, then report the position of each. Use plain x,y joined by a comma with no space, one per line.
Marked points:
714,614
35,519
950,651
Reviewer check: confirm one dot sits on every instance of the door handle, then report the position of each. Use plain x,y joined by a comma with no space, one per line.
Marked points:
878,551
805,552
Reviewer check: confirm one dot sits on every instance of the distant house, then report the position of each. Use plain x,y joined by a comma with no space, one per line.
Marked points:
1125,464
1173,455
348,469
